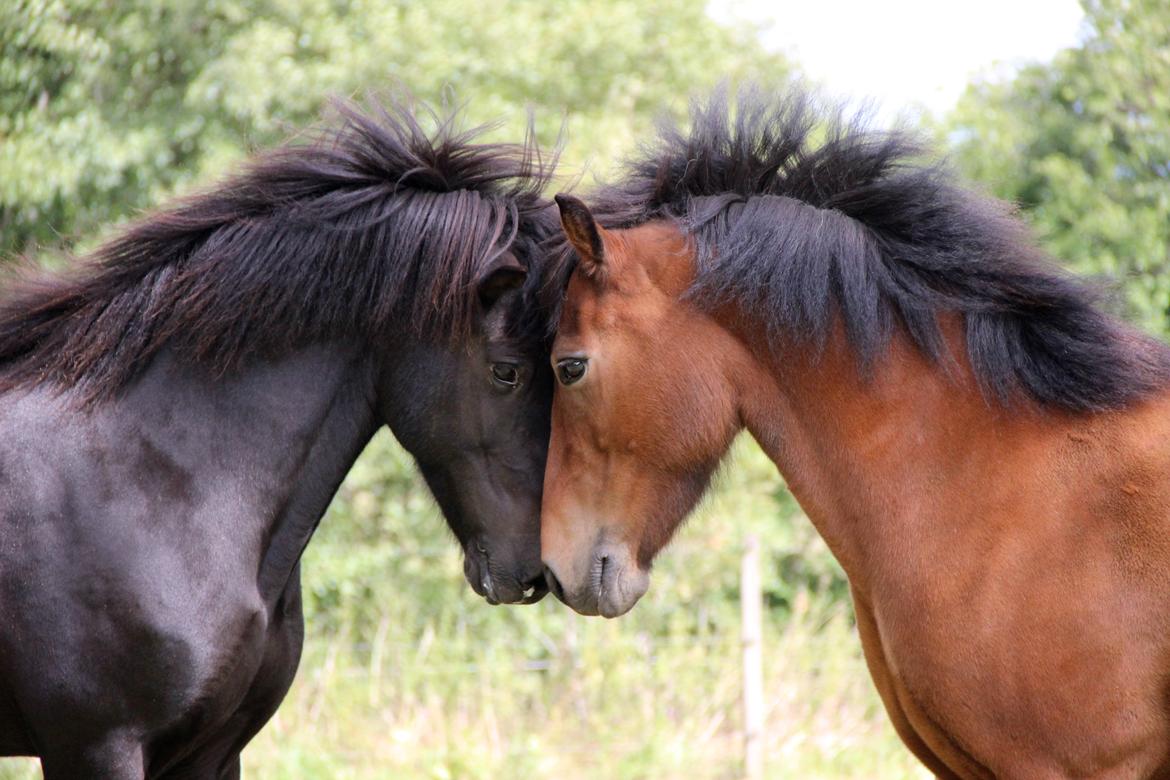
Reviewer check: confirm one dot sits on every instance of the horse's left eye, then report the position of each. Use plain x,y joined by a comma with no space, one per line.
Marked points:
506,374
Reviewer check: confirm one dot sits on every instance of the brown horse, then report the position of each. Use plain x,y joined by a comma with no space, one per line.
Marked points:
985,450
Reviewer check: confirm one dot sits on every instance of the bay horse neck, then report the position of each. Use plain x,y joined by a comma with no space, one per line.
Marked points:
862,448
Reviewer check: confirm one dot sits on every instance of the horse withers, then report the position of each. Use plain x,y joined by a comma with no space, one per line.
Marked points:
984,449
179,409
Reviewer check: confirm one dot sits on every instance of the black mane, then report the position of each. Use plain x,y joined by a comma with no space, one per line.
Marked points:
801,216
367,230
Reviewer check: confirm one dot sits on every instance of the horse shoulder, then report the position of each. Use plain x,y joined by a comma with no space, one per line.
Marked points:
98,595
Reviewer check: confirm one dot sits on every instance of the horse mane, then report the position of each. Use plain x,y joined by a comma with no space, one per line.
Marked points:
368,228
804,217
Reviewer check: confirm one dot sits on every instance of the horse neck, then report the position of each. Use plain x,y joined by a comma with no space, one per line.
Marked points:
278,437
891,463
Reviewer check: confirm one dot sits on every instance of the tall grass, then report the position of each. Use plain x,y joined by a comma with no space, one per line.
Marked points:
609,700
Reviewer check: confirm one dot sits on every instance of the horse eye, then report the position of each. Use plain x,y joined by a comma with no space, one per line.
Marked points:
506,374
570,370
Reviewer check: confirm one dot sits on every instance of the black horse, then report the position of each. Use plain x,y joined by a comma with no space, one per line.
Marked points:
177,414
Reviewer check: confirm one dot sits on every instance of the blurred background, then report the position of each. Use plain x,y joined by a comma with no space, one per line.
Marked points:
108,107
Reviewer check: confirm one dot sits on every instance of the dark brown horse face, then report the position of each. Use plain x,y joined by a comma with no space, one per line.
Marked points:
642,412
476,419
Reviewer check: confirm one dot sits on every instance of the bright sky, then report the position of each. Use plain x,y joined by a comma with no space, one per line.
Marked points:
908,53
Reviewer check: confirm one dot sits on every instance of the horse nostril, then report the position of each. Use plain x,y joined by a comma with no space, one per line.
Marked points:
554,585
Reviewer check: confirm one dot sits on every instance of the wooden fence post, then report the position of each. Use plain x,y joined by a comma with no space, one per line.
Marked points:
751,605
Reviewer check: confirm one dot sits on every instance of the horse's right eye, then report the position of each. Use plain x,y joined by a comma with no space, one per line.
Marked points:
570,370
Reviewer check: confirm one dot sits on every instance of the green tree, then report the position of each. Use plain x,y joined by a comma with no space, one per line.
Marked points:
1082,144
106,108
93,110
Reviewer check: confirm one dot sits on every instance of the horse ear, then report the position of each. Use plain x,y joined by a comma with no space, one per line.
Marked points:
583,232
504,273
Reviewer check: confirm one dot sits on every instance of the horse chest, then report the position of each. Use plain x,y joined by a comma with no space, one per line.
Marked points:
1013,696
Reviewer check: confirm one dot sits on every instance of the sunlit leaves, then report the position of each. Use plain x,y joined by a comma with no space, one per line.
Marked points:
1083,145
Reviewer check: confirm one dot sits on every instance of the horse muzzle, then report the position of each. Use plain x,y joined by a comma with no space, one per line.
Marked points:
497,584
609,586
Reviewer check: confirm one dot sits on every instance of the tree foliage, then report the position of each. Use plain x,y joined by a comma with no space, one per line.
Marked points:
1082,144
108,107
